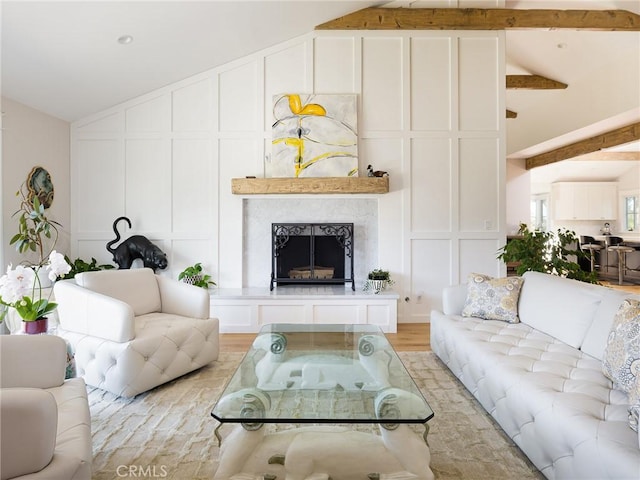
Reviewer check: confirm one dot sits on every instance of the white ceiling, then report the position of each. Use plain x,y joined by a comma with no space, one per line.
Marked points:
63,58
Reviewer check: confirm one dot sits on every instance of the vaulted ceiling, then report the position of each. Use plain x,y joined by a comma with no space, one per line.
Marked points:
64,58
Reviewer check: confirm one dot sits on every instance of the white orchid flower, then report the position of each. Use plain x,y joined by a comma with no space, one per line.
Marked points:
57,266
16,284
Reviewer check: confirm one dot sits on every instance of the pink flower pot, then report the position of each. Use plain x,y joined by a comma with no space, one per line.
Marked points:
36,327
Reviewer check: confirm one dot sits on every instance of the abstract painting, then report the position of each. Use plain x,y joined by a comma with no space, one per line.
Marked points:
314,136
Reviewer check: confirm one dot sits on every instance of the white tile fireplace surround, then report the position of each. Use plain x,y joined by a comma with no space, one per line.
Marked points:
259,214
247,309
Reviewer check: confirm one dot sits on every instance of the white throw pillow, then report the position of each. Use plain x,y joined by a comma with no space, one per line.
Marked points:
621,361
492,298
558,306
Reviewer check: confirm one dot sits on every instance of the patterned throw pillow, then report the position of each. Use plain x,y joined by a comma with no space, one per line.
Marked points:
492,298
621,363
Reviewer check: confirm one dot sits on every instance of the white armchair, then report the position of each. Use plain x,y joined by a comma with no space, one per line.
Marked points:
45,428
132,330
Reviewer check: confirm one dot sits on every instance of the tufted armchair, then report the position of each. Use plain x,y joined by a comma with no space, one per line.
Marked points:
132,330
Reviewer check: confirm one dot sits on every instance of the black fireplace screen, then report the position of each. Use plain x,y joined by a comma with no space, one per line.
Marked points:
316,253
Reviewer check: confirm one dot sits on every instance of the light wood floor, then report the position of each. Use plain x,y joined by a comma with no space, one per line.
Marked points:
411,337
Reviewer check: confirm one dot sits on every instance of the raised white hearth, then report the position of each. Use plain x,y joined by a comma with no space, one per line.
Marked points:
245,310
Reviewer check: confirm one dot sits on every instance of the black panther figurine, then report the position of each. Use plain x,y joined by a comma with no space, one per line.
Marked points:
134,247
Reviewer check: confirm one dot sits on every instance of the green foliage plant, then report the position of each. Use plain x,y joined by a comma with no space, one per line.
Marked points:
194,275
34,226
547,252
79,265
379,274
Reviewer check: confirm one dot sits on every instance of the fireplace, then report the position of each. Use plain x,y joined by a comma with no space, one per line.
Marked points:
312,253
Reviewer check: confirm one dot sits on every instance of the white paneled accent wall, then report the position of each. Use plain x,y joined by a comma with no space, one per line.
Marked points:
431,113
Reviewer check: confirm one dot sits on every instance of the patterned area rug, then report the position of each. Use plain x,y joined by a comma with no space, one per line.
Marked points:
168,432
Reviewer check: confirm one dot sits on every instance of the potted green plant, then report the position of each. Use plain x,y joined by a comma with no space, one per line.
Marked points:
21,287
194,275
378,280
547,252
79,265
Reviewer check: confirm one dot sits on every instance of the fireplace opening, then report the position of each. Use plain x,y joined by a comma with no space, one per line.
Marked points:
312,253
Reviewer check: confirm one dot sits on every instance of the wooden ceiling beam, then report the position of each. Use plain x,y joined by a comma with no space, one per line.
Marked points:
615,137
610,156
533,82
376,18
512,114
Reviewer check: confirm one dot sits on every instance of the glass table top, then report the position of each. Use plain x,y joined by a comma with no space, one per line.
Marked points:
309,373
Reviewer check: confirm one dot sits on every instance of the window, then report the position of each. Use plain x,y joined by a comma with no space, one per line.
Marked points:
539,213
631,212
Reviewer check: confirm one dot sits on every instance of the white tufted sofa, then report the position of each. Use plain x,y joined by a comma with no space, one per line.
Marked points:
542,379
132,330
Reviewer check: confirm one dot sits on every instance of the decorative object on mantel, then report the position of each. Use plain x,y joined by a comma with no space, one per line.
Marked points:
194,275
376,173
22,288
134,247
314,136
547,252
377,281
327,185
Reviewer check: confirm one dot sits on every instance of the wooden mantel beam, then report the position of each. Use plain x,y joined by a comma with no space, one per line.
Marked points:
376,18
619,136
533,82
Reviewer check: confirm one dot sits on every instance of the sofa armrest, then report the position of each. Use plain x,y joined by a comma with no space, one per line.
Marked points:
29,429
37,361
183,299
453,299
84,311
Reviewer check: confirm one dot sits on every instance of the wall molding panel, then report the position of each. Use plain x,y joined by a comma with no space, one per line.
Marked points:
429,107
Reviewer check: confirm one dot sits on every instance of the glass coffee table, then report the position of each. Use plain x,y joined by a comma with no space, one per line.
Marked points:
322,379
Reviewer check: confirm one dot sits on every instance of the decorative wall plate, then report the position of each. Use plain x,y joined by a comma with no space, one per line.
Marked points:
39,184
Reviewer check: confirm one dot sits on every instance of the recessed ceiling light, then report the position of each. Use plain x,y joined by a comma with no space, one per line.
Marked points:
125,39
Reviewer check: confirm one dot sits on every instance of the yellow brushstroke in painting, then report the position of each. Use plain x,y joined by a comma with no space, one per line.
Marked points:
295,104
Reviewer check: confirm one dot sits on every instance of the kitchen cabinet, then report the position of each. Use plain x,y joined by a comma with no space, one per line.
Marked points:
584,200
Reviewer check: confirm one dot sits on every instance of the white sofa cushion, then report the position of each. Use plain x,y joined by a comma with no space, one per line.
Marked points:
492,298
136,287
595,340
25,361
558,307
28,434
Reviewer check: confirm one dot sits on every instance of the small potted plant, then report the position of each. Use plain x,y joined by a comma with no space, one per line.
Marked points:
194,275
377,281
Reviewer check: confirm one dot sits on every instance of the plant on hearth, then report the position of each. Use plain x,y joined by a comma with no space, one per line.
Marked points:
194,275
379,274
378,280
21,287
547,252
